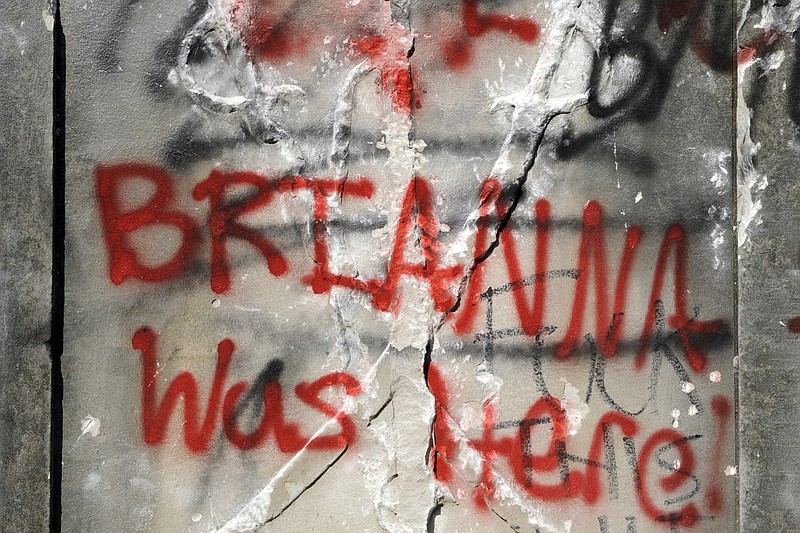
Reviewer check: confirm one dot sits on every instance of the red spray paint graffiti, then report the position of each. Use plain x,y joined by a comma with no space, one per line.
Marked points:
591,248
417,223
458,51
198,433
124,261
528,466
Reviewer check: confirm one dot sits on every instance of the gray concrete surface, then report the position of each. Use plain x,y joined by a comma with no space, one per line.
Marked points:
769,278
26,62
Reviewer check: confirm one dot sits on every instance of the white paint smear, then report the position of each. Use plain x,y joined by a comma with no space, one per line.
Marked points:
90,425
49,19
575,409
676,414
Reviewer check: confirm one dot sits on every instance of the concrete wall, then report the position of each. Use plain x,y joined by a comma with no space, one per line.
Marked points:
398,266
768,268
413,266
26,60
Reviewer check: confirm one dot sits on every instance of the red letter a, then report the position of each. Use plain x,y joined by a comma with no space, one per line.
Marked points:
416,212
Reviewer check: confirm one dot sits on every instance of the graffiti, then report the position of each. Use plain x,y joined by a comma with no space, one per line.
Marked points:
274,33
555,459
518,451
592,248
417,216
467,253
528,466
458,51
198,434
222,222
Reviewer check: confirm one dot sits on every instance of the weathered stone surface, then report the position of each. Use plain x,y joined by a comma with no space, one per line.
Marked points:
26,60
769,264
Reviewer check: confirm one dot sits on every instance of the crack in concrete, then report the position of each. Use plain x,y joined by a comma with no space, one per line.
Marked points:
307,487
435,511
538,93
541,81
380,409
512,526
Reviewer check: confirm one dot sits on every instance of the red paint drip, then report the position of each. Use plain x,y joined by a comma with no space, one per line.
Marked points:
445,447
388,53
722,409
487,447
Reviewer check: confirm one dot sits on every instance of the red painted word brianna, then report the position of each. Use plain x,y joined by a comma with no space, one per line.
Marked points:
537,455
417,218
